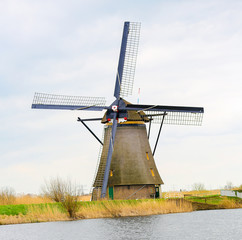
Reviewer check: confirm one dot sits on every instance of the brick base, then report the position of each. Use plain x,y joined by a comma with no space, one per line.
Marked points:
134,192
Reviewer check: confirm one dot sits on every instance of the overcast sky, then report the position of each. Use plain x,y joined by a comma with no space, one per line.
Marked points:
190,54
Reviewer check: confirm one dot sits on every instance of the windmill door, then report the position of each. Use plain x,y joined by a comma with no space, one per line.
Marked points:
157,192
110,193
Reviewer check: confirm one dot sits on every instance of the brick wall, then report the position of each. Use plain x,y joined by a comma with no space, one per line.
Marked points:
134,192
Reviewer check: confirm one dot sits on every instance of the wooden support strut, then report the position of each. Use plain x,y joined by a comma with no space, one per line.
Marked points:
82,121
159,132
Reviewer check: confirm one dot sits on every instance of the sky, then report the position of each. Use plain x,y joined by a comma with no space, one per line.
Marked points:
190,54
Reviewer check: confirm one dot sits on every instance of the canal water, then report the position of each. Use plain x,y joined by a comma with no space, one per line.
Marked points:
213,224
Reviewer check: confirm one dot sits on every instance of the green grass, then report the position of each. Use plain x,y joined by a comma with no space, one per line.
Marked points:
236,199
212,199
12,210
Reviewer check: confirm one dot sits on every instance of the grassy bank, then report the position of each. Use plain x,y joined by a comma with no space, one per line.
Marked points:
40,209
11,214
219,202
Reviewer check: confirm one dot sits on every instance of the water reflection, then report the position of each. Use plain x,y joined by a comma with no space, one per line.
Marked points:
216,224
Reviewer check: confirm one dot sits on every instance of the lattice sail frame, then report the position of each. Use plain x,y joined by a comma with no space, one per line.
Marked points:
176,118
53,99
130,59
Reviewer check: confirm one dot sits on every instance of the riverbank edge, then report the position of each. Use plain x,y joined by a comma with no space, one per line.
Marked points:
110,209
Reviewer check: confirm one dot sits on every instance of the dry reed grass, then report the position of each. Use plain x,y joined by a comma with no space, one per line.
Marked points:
203,192
32,199
35,199
85,197
176,194
140,208
229,203
25,199
7,196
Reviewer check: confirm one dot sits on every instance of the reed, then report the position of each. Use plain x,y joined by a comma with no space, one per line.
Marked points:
227,203
37,199
7,196
202,193
24,199
86,197
46,213
181,194
133,208
32,199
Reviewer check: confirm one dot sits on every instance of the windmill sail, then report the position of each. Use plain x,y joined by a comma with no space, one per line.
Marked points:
127,59
176,115
64,102
177,118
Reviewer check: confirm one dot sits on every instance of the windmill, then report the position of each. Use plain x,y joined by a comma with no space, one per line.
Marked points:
126,167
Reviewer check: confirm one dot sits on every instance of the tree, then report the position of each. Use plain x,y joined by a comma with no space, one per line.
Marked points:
198,186
64,191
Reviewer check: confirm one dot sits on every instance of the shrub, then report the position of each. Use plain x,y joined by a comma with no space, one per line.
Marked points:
65,192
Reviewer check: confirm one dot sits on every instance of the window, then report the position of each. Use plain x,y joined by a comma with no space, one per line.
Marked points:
152,172
147,156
